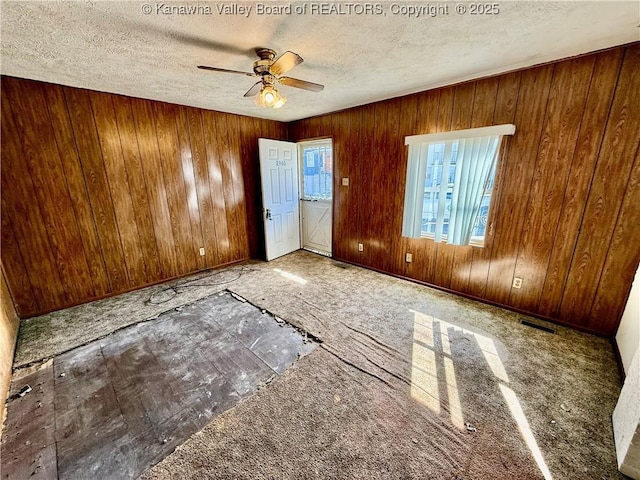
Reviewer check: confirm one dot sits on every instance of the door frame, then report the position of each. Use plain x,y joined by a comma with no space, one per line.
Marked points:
300,144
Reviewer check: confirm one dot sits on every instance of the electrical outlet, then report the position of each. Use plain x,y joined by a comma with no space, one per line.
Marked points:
202,251
345,181
517,282
408,258
360,247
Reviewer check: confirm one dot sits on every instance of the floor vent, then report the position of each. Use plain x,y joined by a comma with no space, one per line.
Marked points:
531,324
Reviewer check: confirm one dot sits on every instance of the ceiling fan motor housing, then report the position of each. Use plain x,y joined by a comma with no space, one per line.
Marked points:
265,53
261,67
268,79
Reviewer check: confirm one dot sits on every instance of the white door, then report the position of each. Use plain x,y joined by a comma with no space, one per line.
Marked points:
316,164
280,200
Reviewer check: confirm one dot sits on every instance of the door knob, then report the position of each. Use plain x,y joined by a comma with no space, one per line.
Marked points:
268,214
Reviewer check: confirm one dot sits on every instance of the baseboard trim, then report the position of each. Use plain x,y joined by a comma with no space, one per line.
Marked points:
616,352
139,287
481,300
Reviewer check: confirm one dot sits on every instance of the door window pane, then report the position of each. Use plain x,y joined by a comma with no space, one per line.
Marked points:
318,171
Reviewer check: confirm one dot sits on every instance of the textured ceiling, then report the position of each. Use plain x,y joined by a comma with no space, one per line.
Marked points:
117,47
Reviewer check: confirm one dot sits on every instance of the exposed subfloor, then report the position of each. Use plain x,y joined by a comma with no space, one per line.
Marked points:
408,382
116,406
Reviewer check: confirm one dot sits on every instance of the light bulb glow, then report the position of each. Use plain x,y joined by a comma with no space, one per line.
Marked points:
280,102
270,97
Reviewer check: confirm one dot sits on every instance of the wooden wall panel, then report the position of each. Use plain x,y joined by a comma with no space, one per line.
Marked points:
151,166
16,267
227,184
564,215
549,183
203,188
379,245
606,196
366,191
191,192
93,168
596,111
343,210
171,181
119,188
218,195
610,299
518,174
351,164
407,126
251,184
51,192
77,186
21,213
102,194
234,160
393,214
137,185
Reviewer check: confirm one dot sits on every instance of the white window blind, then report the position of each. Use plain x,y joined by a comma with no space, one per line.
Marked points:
448,184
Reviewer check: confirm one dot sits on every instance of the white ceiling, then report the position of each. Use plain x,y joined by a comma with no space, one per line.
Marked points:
114,47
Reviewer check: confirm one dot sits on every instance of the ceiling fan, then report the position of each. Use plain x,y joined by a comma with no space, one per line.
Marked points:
269,68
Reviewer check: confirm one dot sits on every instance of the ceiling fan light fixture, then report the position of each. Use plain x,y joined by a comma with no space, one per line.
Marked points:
269,70
270,97
280,102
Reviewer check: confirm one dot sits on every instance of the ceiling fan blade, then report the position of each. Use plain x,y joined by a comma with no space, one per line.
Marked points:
294,82
285,62
254,90
224,70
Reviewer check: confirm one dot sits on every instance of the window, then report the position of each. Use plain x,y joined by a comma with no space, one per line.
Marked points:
449,184
317,176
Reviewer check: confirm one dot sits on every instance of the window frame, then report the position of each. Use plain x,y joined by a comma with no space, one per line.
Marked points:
414,185
318,143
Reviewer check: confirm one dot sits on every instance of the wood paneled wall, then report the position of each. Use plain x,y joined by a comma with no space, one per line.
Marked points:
565,215
103,193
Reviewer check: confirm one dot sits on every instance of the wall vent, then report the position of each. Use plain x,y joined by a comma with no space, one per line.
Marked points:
531,324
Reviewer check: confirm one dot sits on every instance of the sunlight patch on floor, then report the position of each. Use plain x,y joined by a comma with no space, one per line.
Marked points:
518,415
433,376
424,381
291,276
428,346
490,354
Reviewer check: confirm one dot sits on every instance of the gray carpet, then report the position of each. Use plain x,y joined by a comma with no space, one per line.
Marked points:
403,371
409,382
